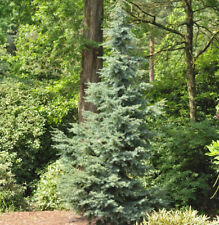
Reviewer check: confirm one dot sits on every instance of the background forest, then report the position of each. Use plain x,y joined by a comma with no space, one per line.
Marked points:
47,57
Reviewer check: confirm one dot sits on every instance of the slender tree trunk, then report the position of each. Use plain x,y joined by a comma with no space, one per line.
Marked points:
151,60
190,60
91,61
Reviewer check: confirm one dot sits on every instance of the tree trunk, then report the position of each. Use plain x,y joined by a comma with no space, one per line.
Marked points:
91,61
190,60
151,60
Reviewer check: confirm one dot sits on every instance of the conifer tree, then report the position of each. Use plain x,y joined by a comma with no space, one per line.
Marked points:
106,155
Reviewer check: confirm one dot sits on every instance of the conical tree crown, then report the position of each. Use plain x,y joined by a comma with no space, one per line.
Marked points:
109,149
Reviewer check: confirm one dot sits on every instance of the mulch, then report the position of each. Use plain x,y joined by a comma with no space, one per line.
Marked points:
42,218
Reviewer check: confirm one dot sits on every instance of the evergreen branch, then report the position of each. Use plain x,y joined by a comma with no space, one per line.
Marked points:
207,45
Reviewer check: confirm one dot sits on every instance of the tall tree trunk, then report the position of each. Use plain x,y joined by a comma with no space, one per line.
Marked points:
190,59
151,59
91,61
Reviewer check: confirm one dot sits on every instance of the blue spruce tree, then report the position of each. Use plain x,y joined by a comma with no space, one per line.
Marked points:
106,155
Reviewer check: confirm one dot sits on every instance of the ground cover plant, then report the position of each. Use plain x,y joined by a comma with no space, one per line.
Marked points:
178,217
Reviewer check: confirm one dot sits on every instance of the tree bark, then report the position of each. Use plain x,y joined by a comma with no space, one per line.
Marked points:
151,59
91,55
190,72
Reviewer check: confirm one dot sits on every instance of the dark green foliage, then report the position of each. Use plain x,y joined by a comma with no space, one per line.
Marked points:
185,180
106,155
207,79
170,84
183,170
171,88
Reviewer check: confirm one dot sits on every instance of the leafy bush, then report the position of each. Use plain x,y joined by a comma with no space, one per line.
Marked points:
214,151
184,173
178,217
46,195
3,63
23,129
50,46
11,194
27,115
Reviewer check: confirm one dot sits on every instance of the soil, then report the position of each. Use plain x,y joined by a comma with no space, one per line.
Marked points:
42,218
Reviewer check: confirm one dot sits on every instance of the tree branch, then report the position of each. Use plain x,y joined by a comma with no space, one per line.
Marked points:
167,49
157,25
200,9
201,26
137,6
206,46
153,22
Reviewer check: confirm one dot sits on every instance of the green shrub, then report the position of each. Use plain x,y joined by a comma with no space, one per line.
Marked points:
23,129
11,194
178,217
46,195
3,64
214,152
183,171
50,47
27,114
